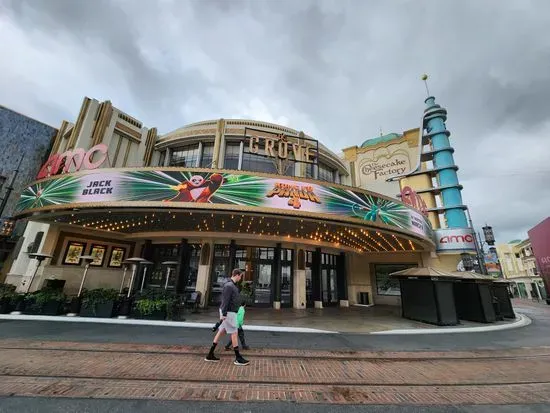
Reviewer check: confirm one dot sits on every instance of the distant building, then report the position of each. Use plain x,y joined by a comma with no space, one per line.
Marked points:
540,240
518,265
24,140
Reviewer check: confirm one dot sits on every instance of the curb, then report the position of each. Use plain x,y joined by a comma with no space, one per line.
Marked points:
158,323
521,321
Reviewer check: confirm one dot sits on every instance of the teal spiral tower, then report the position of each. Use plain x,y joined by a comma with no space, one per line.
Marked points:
444,166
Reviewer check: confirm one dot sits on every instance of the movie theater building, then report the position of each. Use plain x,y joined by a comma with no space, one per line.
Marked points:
211,196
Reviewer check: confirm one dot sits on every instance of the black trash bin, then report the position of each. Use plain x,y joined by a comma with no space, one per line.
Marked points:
496,307
364,298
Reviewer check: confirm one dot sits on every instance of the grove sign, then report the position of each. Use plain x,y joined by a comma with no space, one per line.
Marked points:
281,146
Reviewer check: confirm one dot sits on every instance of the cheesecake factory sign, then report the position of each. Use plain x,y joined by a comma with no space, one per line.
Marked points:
396,156
281,146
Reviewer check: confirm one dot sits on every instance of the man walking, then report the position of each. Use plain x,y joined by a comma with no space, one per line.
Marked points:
230,305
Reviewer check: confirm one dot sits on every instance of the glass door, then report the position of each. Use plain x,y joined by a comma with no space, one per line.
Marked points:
286,277
263,276
262,287
220,273
194,259
309,285
329,279
156,273
324,284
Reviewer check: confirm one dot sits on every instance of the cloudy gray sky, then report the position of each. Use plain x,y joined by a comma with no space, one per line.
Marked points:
339,70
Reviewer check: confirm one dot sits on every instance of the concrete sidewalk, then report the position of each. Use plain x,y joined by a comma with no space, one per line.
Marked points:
361,320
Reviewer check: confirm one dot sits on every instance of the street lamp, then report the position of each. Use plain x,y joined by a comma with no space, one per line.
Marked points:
467,261
488,235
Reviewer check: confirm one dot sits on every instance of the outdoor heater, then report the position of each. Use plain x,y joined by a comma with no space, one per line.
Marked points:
169,266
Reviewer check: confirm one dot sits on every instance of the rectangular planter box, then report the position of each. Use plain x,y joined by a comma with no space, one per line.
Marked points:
102,310
49,308
156,315
5,306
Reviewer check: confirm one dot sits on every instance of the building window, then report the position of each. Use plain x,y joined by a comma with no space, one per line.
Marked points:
310,171
258,163
207,155
386,285
194,260
326,173
232,153
309,276
185,156
162,158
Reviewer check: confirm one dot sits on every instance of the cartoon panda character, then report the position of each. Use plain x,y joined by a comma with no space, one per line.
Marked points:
197,189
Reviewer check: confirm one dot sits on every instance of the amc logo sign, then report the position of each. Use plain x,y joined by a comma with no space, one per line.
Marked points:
73,161
449,239
456,239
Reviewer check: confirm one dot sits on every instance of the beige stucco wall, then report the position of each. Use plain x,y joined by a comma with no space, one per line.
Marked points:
96,278
444,262
361,277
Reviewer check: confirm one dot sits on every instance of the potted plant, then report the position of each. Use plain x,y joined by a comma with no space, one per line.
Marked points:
44,302
153,305
98,303
123,305
246,292
8,298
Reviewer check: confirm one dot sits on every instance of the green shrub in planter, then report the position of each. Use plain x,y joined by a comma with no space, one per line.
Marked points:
44,302
8,298
246,292
98,302
154,305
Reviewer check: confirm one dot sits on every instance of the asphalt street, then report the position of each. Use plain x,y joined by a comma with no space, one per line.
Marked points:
534,335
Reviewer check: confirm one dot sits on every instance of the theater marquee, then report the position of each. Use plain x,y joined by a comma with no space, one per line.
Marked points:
187,187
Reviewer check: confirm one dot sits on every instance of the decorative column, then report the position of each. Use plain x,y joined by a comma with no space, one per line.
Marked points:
444,165
277,277
341,280
183,263
317,291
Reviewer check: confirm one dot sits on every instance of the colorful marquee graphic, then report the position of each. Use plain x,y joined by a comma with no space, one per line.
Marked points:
185,186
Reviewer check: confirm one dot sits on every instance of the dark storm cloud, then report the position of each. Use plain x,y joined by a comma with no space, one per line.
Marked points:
112,28
341,70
